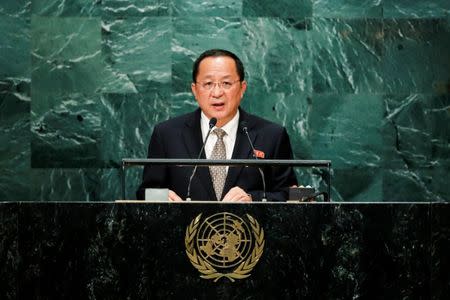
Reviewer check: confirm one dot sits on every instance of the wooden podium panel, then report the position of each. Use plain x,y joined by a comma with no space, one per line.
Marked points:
310,251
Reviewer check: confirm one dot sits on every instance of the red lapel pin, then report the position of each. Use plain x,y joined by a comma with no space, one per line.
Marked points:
259,153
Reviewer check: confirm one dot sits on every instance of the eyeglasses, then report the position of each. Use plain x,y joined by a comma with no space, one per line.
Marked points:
209,85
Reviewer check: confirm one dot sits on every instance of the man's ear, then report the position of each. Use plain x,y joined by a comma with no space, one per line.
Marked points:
243,87
194,91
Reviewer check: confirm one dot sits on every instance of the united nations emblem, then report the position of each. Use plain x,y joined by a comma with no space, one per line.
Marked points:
224,245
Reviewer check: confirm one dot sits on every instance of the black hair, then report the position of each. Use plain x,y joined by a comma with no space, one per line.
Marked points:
216,53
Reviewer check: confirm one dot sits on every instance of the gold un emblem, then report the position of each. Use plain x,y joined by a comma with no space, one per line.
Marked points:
224,245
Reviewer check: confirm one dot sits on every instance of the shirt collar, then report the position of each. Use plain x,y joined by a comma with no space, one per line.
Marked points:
230,128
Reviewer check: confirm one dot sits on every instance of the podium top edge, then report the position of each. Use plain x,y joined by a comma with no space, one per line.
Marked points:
226,162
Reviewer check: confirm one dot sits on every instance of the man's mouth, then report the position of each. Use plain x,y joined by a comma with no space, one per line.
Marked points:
218,105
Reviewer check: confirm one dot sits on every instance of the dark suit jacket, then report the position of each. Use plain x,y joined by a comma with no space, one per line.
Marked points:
181,137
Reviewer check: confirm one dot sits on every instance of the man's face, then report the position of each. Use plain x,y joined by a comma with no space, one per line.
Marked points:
223,99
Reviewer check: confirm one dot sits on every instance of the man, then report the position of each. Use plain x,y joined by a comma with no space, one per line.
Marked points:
218,85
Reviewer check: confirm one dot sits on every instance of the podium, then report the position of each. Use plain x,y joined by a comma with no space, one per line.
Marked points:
309,250
253,163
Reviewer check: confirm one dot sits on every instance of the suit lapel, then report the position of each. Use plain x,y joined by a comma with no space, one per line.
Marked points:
193,140
192,136
242,150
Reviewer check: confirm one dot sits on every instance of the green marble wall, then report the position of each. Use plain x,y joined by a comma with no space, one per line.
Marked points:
363,83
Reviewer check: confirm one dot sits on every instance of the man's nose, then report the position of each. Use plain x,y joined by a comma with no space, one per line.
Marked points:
217,90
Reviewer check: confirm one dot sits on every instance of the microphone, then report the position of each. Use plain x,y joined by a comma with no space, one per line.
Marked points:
243,126
212,123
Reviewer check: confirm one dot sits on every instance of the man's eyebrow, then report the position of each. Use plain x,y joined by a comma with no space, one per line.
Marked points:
209,77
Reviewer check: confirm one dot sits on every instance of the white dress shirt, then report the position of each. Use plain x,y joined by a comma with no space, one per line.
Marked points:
229,139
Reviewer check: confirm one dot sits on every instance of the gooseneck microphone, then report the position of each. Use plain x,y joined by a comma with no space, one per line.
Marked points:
243,125
212,123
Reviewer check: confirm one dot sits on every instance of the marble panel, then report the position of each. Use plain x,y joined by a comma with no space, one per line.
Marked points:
416,131
138,46
16,8
141,8
277,56
85,185
311,251
346,129
416,57
440,246
207,8
416,152
138,49
111,183
290,111
347,55
419,184
293,112
364,245
14,139
9,251
116,82
73,8
182,102
66,55
264,105
415,9
348,8
66,185
56,247
282,8
127,123
358,184
15,44
194,35
435,179
396,239
66,131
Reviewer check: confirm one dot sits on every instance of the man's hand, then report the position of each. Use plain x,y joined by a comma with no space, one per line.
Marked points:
174,197
237,194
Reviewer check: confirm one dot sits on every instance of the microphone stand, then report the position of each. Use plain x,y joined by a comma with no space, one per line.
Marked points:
244,128
212,123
